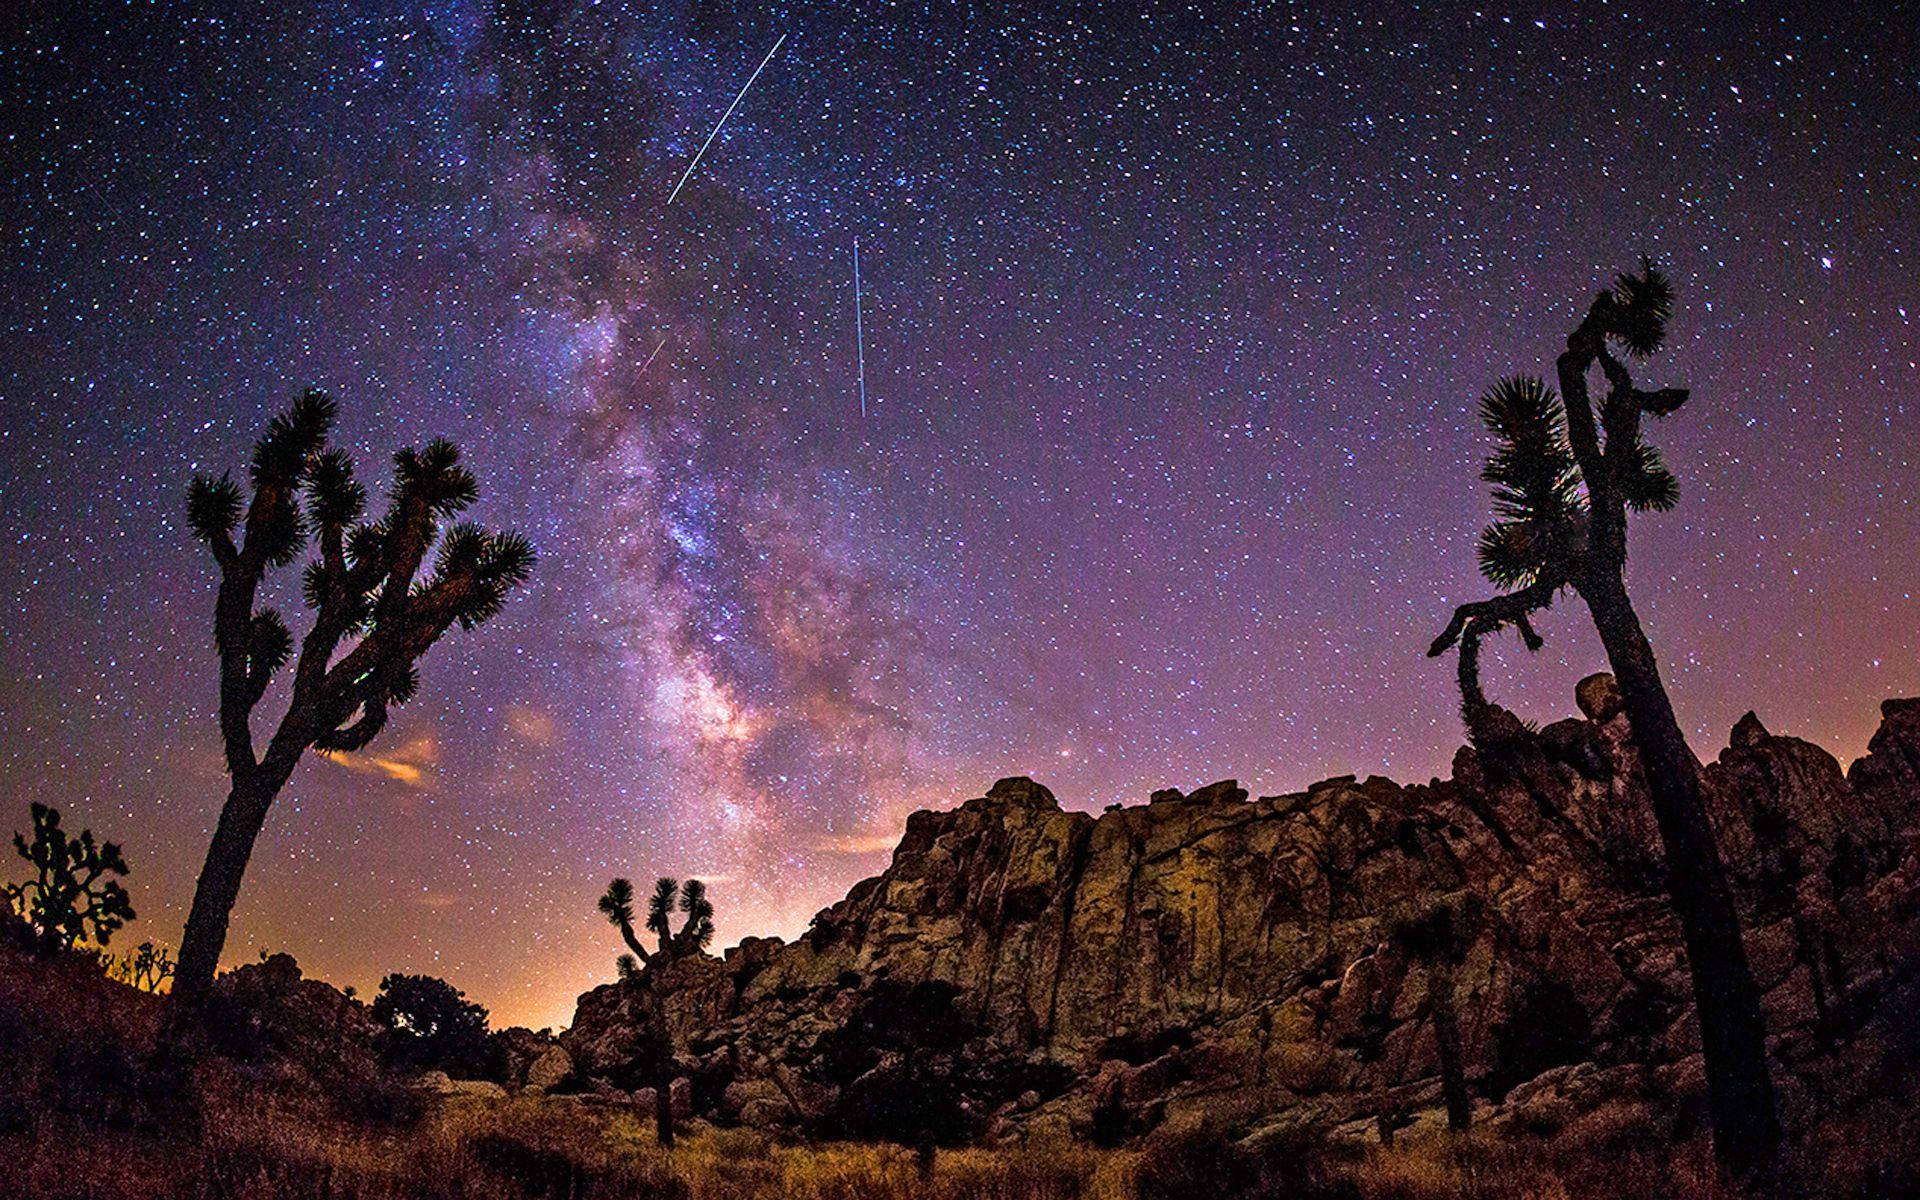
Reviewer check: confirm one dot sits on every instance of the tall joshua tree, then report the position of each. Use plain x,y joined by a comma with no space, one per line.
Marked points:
647,968
1566,474
372,620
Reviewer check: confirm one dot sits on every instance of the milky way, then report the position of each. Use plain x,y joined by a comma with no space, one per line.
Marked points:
1173,323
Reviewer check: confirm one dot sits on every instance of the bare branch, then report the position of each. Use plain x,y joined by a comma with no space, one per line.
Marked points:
1509,609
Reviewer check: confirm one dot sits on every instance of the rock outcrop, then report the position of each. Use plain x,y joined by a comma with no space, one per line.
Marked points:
1212,957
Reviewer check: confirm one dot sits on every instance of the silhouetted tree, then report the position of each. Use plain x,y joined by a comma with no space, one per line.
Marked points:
147,967
646,969
372,620
1565,477
69,898
896,1068
1439,939
431,1024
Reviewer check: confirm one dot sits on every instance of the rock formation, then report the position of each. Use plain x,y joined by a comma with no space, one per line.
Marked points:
1210,957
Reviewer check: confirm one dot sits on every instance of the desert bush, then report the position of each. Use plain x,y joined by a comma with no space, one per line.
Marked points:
1547,1029
430,1024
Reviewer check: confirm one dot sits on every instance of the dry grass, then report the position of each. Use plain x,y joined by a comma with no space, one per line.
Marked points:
1476,1168
554,1149
533,1150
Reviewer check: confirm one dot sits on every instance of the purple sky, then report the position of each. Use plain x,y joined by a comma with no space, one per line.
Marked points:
1174,325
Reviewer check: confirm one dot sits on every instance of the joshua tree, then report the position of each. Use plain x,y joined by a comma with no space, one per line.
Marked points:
1439,939
1566,474
68,899
147,967
373,619
646,968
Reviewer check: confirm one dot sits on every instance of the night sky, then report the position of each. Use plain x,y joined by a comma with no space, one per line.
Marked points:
1174,321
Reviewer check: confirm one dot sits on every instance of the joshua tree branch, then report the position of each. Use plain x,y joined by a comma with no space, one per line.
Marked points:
232,634
633,943
1511,608
1585,344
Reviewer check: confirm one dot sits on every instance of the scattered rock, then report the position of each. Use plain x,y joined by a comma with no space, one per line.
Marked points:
549,1070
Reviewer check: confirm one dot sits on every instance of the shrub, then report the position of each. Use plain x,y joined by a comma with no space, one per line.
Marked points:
1547,1029
430,1024
1295,1165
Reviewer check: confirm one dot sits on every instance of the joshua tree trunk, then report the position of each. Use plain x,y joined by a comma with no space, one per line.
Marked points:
1550,537
924,1153
206,932
1446,1036
1732,1034
663,1081
663,1109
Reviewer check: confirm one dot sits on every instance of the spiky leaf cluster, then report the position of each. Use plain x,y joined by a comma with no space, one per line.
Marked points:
617,902
361,584
697,932
1646,483
70,898
1643,305
669,896
1536,483
1440,933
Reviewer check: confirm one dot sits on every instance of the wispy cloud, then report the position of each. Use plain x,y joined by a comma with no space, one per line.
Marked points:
411,763
855,844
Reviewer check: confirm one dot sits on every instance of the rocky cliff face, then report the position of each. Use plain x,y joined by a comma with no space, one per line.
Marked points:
1212,956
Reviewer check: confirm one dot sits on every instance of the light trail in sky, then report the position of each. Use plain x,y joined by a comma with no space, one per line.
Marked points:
859,333
664,339
688,174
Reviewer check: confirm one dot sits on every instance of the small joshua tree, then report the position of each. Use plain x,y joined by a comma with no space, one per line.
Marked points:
645,968
1566,474
147,967
1439,939
373,619
69,899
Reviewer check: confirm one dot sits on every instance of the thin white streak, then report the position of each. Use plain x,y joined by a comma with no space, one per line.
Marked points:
664,339
723,119
859,332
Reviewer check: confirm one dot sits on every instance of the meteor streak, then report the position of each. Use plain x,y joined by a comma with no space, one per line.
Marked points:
664,339
859,334
723,118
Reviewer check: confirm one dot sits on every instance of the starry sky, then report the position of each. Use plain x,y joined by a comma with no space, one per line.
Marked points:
1174,317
